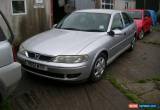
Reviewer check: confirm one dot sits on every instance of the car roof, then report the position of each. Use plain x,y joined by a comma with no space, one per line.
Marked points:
107,11
151,10
135,9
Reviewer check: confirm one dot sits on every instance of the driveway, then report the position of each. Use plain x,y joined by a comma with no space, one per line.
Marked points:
36,93
41,94
139,70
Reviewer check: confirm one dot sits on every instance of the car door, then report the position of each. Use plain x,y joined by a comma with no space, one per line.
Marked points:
129,29
117,40
6,56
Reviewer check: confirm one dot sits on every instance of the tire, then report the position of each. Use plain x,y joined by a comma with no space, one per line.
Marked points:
98,68
141,35
133,43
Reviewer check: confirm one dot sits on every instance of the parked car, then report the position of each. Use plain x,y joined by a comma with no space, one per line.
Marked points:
143,21
80,46
10,71
153,16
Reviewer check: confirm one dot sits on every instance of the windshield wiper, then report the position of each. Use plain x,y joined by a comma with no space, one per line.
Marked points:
71,29
89,30
94,30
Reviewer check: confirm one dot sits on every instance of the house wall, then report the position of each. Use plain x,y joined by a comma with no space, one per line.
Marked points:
119,4
84,4
24,26
97,3
5,7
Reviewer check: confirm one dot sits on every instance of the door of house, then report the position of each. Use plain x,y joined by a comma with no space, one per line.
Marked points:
60,8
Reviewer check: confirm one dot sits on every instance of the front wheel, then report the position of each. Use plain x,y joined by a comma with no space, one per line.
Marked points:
99,68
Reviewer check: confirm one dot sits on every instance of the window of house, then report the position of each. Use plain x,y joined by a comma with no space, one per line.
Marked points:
19,7
107,4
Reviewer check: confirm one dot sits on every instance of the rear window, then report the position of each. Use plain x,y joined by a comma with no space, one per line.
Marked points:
135,14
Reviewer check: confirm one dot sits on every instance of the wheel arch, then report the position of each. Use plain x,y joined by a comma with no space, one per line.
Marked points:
103,51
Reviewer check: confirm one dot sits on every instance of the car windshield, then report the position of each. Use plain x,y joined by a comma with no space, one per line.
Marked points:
135,14
83,21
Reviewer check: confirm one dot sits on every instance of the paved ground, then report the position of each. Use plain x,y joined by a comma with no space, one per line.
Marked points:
41,94
131,68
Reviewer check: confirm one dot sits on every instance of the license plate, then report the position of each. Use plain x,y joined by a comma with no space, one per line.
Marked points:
35,65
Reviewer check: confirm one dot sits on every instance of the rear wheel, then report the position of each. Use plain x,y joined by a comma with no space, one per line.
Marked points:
98,68
141,35
133,43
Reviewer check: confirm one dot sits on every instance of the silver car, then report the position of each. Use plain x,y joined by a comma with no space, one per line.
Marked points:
10,71
80,46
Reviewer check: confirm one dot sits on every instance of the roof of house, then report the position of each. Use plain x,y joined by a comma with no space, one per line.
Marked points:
109,11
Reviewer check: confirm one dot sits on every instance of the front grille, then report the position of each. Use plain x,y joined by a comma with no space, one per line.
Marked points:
54,75
41,57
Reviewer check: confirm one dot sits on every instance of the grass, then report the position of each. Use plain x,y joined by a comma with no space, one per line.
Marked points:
142,81
5,105
152,42
156,40
156,28
129,94
154,79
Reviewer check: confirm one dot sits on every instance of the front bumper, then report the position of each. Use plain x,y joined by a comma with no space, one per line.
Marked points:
9,77
62,72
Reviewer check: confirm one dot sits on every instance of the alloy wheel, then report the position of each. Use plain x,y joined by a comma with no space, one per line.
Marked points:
133,43
141,34
99,67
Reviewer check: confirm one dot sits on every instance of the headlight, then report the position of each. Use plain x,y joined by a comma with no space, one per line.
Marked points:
23,51
71,59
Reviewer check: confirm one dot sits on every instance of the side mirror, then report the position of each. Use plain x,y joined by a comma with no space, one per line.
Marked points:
115,32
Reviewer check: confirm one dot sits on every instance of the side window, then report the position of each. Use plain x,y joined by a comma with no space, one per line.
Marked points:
117,22
131,19
127,19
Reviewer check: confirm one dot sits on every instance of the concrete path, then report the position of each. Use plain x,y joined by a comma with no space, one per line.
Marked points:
42,94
